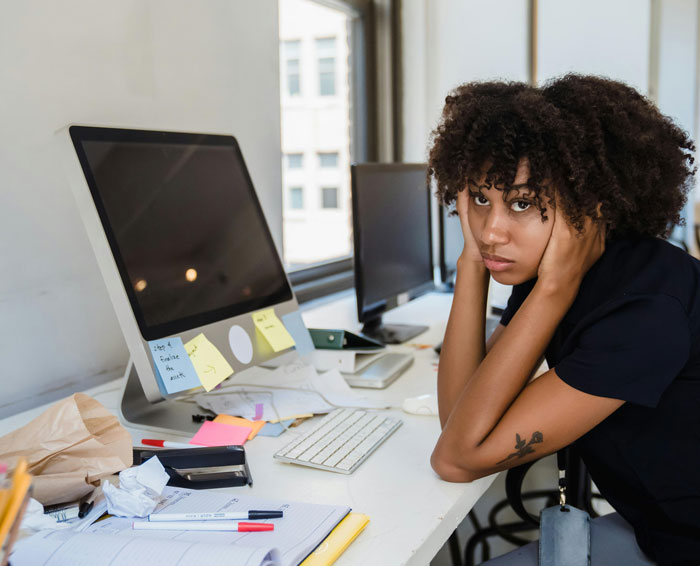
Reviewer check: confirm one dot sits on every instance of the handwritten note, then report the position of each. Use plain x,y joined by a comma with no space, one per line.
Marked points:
173,366
254,426
218,434
211,367
273,330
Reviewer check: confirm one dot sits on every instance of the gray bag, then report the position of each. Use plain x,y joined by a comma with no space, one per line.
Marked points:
565,532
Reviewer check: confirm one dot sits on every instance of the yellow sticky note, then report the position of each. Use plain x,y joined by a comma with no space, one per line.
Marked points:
211,367
239,421
273,330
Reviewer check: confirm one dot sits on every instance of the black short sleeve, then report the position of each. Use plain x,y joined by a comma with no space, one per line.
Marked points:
517,298
631,352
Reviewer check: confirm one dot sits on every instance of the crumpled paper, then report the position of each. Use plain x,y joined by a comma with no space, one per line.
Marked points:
139,490
34,519
69,448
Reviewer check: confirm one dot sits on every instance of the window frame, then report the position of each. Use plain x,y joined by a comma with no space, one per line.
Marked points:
368,141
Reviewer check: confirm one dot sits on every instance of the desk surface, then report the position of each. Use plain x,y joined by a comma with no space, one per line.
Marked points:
412,511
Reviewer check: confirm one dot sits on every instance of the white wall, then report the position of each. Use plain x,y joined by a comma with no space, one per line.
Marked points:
209,65
602,37
449,42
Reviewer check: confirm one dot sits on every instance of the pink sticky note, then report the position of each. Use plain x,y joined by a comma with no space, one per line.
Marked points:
218,434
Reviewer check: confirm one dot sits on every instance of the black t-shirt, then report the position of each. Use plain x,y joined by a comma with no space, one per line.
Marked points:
633,333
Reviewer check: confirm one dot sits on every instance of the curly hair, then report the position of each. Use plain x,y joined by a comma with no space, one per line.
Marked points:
606,150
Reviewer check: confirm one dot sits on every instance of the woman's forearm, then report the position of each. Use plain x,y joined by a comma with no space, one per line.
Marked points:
505,371
463,347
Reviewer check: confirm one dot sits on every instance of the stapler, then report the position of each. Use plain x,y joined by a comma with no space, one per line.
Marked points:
201,468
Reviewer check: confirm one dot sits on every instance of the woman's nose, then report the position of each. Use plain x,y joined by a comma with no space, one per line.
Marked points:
495,229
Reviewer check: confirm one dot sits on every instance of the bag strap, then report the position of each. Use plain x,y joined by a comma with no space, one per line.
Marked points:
562,457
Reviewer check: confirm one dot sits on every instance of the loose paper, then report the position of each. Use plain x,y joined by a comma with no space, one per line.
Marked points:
255,426
218,434
273,330
212,368
278,404
173,366
300,334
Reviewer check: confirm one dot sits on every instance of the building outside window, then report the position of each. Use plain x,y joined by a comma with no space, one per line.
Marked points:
327,160
314,123
329,197
325,50
291,51
296,198
295,160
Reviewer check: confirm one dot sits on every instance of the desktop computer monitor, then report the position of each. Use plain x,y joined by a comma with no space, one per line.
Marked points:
451,244
184,249
392,257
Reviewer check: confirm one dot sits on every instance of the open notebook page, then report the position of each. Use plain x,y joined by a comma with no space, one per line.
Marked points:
296,535
72,548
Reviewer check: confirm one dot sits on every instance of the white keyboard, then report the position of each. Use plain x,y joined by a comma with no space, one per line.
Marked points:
341,441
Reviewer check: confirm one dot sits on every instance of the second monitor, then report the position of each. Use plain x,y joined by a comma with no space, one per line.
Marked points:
392,236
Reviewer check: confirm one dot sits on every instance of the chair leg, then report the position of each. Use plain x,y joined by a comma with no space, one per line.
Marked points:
455,552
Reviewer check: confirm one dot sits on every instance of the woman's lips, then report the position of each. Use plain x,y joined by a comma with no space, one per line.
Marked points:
496,263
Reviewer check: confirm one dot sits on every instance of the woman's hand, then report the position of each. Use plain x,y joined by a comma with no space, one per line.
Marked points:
471,251
569,255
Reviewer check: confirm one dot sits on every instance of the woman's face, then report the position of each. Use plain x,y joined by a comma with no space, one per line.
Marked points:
510,233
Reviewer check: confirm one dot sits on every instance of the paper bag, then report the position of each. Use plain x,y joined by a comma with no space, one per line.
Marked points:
68,447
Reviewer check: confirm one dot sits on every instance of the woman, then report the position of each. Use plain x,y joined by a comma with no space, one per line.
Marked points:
564,192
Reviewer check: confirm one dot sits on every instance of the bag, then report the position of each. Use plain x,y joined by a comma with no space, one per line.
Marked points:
565,531
70,447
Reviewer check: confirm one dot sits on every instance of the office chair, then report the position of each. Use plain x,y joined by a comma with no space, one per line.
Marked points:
579,494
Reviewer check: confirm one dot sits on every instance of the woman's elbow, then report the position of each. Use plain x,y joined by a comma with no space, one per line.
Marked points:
450,470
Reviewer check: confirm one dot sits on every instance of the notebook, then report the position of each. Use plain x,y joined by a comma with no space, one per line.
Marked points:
112,540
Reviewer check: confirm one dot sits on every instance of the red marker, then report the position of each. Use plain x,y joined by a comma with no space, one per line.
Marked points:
166,443
241,527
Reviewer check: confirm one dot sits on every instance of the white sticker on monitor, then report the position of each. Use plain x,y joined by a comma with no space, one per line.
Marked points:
402,298
240,343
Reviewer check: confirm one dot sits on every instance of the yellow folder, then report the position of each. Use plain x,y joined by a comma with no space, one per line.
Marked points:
337,540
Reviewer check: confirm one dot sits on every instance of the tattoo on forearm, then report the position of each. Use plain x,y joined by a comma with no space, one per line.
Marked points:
522,448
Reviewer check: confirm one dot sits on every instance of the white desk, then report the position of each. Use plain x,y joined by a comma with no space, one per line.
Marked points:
412,511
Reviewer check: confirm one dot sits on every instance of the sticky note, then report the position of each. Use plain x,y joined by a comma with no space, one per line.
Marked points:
275,429
219,434
300,334
173,366
273,330
255,426
211,367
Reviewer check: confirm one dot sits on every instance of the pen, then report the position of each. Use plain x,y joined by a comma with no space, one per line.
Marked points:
166,443
250,515
240,527
88,501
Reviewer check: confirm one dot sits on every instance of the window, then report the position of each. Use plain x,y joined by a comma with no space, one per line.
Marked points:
325,50
296,198
329,197
295,160
328,160
320,128
291,55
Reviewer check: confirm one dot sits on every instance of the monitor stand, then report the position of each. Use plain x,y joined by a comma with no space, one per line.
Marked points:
391,333
169,416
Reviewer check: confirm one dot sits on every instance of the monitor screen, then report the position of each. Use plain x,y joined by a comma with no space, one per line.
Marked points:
184,225
391,220
451,242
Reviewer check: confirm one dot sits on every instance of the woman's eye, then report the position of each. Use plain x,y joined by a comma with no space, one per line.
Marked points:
520,205
480,200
